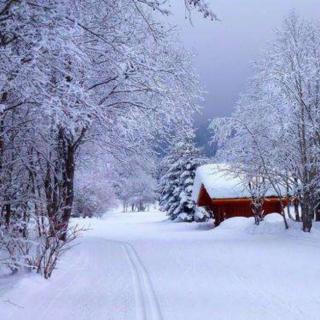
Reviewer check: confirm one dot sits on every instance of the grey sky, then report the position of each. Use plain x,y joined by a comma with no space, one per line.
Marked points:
225,49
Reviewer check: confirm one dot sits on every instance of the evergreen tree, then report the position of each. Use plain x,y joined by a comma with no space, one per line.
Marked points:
178,173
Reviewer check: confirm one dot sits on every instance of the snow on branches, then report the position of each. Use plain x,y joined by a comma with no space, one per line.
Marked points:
177,177
199,5
75,74
274,131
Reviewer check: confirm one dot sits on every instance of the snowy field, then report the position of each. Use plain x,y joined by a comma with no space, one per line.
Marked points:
139,266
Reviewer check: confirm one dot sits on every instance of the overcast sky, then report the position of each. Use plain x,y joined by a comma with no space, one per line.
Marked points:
225,49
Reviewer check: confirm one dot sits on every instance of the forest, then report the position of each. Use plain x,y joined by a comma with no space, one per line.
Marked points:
82,84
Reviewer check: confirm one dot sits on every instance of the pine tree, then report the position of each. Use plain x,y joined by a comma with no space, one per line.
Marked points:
178,173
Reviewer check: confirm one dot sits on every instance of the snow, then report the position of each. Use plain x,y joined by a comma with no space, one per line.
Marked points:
140,266
221,183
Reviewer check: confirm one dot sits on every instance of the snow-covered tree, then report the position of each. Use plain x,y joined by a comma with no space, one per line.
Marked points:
135,183
137,191
94,192
274,131
177,177
75,74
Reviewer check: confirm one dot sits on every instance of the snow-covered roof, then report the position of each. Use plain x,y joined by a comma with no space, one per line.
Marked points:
220,183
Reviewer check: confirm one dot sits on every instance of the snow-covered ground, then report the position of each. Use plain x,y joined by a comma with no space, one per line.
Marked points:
139,266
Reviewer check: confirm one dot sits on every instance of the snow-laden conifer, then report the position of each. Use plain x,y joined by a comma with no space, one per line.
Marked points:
178,173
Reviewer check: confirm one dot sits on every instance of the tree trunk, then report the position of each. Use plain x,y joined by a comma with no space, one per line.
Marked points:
296,209
284,216
68,189
289,212
317,217
257,210
307,216
3,100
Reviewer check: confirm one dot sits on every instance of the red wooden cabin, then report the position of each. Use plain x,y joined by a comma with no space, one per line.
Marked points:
225,196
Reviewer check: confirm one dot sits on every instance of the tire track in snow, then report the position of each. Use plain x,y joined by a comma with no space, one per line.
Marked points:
148,307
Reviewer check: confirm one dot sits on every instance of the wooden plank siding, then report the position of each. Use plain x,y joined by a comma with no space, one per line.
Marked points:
224,208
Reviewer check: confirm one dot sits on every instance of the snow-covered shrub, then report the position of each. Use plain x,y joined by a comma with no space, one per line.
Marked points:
33,243
50,247
15,245
201,214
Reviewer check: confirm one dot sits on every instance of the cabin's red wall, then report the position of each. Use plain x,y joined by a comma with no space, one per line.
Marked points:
204,199
228,208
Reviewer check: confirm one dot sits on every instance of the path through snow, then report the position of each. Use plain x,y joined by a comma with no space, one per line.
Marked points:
142,267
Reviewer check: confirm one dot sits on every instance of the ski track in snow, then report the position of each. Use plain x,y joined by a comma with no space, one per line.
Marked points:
141,267
147,303
80,288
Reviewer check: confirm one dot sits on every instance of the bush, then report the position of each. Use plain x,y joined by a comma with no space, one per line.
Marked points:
202,215
34,244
